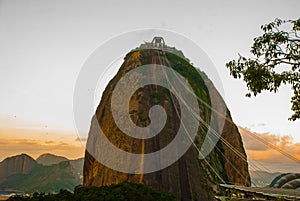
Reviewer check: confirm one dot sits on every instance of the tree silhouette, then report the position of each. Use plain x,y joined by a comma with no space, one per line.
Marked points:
276,61
124,191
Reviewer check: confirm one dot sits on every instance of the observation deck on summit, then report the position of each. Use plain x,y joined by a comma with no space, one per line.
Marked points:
156,43
159,43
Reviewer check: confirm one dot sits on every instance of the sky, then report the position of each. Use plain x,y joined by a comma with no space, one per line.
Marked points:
261,156
44,45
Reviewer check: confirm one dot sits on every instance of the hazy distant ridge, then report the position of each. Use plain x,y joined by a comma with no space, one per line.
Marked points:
48,173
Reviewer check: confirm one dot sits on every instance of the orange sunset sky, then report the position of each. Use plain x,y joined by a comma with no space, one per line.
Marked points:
34,142
14,141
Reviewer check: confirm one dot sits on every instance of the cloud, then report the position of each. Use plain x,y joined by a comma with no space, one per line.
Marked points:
14,141
35,148
260,147
78,139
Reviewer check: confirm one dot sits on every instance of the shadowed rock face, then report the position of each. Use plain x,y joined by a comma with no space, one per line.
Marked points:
189,178
25,174
21,164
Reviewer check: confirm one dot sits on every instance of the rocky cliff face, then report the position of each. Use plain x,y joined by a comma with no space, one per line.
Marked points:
23,173
21,164
189,178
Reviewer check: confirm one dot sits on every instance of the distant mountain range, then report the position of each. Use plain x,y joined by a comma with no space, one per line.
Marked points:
50,159
262,178
48,173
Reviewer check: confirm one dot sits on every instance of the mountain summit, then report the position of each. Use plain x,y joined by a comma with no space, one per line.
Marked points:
20,164
189,178
23,173
50,159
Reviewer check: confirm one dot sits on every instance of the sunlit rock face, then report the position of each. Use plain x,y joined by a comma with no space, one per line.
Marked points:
189,178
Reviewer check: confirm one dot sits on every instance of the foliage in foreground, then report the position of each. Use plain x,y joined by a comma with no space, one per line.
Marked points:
276,61
119,192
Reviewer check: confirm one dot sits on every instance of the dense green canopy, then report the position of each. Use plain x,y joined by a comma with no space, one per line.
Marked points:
120,192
